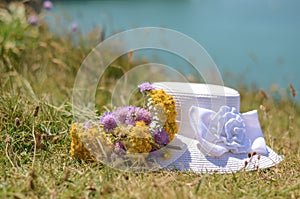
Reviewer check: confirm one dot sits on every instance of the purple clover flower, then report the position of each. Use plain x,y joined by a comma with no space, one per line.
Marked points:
74,27
131,116
146,86
143,115
108,121
33,20
137,114
121,113
161,137
119,148
47,5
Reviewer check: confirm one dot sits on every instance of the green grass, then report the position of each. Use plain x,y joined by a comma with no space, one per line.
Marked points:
34,155
53,173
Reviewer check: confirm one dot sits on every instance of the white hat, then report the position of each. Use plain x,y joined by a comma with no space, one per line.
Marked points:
214,137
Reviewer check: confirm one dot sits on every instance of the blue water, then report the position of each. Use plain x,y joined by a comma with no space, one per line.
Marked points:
256,41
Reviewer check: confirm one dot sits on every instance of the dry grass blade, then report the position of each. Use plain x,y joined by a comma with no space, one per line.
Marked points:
293,91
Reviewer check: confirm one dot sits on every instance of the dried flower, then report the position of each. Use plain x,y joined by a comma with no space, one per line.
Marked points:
47,5
129,129
161,137
108,121
146,86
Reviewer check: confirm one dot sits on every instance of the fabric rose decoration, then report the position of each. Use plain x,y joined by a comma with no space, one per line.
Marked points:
227,131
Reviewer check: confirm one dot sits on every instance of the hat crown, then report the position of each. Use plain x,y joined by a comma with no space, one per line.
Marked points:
207,96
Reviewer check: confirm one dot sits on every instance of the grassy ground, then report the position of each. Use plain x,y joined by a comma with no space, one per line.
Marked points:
51,172
34,148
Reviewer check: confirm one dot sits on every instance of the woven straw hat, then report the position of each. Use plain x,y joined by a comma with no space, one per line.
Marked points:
214,137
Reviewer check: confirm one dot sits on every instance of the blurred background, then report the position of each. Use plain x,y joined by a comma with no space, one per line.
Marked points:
255,44
252,42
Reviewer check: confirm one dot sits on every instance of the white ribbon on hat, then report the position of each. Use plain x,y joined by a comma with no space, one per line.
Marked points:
227,131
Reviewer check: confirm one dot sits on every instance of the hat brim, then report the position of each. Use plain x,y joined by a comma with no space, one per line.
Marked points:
189,157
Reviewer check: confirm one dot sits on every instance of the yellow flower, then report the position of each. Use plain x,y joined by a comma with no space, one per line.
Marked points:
85,144
161,99
77,148
141,124
139,139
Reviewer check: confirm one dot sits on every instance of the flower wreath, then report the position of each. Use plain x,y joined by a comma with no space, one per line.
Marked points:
128,129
